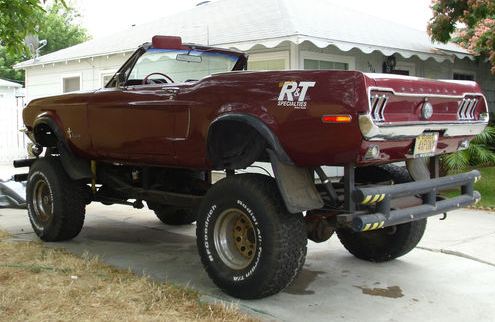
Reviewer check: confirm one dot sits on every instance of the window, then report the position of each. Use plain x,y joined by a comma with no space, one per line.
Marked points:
272,64
323,61
105,78
463,76
269,61
71,84
404,68
324,65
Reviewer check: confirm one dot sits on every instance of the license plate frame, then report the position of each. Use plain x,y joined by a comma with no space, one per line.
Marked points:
425,144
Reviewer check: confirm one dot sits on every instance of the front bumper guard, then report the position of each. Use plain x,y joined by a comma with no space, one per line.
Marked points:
381,197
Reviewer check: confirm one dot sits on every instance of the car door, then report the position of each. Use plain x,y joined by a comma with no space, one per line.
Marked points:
138,122
157,117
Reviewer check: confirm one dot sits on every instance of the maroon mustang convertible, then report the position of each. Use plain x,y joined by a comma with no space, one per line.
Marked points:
174,112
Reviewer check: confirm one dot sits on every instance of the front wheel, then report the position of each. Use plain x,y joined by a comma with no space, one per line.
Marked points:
250,245
56,204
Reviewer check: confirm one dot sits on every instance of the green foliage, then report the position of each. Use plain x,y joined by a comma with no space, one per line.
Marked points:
470,23
7,60
57,25
18,18
479,153
60,29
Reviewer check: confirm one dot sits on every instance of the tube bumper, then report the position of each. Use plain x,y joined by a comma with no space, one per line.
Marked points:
381,196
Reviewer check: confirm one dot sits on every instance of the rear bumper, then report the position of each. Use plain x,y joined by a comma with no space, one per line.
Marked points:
380,198
371,131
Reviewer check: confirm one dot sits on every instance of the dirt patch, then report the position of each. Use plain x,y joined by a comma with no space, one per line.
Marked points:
390,292
44,284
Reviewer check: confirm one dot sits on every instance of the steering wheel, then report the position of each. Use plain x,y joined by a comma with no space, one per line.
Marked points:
146,80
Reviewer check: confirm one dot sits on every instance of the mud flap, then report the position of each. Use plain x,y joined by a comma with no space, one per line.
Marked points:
296,186
76,168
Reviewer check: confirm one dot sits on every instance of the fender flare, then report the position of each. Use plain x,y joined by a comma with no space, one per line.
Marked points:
260,127
76,168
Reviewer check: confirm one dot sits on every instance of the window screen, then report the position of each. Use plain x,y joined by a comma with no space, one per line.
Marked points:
271,64
324,65
71,84
460,76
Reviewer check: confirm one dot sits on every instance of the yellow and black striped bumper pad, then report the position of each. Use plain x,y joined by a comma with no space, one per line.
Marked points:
371,199
373,226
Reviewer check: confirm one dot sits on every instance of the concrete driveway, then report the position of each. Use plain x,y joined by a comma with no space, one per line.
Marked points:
451,276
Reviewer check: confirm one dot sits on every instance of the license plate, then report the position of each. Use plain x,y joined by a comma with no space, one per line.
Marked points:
425,144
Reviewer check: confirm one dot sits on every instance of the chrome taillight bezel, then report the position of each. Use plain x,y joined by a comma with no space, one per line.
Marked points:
467,108
378,103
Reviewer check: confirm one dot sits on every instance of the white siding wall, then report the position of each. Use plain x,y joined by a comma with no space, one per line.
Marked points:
12,142
46,80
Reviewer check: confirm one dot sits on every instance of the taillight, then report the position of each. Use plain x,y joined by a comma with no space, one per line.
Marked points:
378,103
466,109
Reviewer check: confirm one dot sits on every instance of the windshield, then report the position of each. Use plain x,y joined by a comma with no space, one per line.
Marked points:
180,65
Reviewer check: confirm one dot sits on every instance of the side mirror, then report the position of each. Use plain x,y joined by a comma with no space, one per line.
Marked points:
119,79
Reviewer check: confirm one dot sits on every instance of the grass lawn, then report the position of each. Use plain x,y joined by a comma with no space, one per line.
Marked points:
486,187
45,284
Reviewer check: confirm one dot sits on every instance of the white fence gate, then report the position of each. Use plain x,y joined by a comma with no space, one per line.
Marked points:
12,142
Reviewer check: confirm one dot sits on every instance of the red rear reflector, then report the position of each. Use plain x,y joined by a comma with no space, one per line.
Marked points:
336,118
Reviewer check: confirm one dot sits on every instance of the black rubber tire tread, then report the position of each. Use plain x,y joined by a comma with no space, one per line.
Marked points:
68,199
383,173
389,243
174,216
378,246
283,232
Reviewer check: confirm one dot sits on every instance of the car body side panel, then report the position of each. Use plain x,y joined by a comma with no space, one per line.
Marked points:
69,112
300,130
144,125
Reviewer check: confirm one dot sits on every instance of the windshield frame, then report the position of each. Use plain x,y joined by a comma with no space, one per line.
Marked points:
128,66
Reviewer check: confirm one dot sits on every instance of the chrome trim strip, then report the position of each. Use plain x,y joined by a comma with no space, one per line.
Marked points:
373,132
382,113
428,95
379,131
462,110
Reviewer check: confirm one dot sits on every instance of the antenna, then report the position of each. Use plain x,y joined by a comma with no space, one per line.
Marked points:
32,43
42,44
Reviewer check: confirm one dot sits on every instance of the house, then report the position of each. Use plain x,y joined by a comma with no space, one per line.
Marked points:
278,34
12,142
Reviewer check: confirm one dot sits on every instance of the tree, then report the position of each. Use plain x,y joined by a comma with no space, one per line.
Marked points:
58,26
18,19
470,23
60,29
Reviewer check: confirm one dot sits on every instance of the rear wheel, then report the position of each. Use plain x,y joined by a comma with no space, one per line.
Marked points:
250,245
56,204
390,242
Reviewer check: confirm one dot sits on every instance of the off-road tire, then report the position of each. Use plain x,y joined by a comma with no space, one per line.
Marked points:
280,237
174,216
67,199
388,243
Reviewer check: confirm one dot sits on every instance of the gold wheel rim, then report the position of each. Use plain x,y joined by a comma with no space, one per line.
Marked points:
235,239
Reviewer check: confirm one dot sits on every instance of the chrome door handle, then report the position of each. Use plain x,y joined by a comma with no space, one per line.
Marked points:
172,91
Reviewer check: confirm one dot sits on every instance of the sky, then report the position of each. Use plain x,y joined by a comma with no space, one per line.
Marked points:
104,17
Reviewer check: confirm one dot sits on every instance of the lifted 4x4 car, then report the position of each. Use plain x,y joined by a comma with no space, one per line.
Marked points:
174,112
